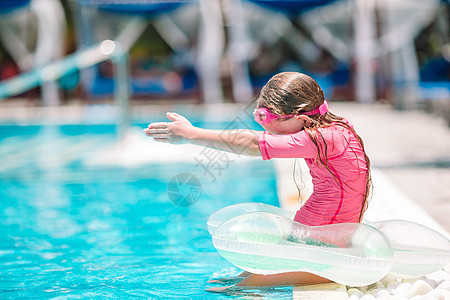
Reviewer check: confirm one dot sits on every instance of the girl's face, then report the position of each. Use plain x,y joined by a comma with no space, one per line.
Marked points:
287,125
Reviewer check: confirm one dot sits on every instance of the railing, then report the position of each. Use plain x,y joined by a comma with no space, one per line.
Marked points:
84,58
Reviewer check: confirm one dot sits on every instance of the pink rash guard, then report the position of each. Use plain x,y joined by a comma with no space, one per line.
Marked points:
332,201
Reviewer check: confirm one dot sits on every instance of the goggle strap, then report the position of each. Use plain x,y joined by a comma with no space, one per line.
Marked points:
321,110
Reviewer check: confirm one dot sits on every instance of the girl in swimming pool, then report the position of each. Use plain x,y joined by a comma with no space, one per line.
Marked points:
292,109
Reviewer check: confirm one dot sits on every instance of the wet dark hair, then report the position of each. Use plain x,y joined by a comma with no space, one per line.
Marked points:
293,93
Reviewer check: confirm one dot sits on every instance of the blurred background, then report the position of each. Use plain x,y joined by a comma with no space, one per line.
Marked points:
217,51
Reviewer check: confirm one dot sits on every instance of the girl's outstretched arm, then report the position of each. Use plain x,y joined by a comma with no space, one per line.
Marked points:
181,131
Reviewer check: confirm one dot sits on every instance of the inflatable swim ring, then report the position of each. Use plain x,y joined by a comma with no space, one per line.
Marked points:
418,250
264,239
224,214
266,243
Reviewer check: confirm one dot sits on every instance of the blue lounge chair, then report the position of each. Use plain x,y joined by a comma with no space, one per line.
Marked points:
95,83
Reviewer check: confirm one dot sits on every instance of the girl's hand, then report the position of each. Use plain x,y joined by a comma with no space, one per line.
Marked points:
176,132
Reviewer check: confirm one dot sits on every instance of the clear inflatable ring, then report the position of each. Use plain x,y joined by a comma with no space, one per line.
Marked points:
263,239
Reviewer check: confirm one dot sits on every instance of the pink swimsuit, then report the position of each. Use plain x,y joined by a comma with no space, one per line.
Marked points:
332,201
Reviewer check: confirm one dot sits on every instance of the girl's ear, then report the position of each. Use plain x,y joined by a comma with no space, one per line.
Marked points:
306,119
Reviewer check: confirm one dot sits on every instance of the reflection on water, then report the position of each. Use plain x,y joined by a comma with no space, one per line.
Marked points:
71,230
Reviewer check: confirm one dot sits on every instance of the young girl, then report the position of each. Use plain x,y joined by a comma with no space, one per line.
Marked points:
292,109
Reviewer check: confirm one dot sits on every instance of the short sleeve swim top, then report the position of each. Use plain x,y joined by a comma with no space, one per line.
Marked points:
335,199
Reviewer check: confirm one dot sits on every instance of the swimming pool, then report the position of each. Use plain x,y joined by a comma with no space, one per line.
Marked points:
73,229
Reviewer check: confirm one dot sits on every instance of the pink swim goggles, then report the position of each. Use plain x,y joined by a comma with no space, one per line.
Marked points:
264,116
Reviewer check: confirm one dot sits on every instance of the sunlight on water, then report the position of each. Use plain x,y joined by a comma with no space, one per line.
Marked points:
72,230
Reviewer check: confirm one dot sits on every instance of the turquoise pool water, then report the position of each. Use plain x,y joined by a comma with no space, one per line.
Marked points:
71,230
